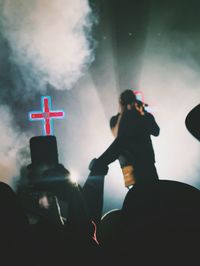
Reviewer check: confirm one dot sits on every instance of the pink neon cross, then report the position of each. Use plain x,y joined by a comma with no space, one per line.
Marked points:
46,115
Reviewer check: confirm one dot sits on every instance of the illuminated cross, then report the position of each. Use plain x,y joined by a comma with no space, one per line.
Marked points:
46,115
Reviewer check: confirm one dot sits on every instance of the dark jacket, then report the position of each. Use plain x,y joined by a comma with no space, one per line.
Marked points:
136,130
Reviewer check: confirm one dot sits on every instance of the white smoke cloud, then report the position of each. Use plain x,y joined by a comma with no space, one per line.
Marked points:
10,144
172,83
48,39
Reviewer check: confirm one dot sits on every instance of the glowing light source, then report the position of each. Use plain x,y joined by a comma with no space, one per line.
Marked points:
73,176
140,97
46,115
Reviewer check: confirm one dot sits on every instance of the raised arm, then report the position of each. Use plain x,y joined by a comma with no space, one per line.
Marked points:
114,124
151,124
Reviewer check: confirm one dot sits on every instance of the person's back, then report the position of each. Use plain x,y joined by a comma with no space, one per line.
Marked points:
137,131
132,128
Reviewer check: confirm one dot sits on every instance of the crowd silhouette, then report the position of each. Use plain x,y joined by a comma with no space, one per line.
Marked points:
50,221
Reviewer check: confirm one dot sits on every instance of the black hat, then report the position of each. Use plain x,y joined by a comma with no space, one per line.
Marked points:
192,122
44,150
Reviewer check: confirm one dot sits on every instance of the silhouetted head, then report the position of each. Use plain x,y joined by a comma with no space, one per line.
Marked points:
192,122
161,220
127,97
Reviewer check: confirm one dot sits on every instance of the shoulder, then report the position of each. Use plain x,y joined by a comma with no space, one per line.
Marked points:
131,114
113,120
149,116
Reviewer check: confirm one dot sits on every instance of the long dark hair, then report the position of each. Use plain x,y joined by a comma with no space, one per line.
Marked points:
127,97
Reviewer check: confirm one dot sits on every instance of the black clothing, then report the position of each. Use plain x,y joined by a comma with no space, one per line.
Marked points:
137,129
134,138
192,121
46,243
50,241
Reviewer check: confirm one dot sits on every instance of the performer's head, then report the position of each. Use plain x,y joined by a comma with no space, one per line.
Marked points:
127,97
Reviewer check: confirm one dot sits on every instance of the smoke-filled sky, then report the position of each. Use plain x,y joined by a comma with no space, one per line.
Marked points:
84,54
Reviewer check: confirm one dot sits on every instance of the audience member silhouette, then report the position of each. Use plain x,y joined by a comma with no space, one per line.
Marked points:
14,230
158,224
192,121
162,219
93,192
60,227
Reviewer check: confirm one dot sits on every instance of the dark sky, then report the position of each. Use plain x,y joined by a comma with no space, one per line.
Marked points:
122,28
126,24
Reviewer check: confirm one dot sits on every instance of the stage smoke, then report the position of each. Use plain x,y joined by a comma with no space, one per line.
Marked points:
10,145
170,79
49,40
44,44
